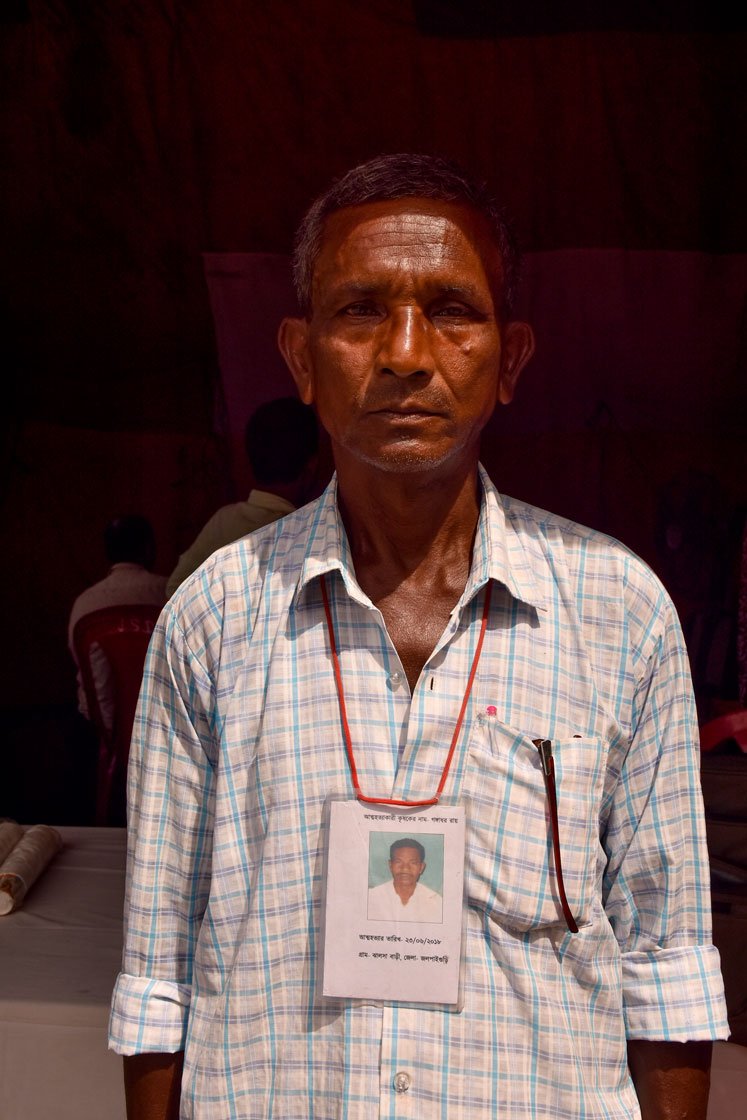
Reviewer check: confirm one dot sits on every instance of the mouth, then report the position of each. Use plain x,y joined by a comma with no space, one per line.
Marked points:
412,413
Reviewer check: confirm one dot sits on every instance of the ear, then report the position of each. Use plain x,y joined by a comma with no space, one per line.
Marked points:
293,342
518,347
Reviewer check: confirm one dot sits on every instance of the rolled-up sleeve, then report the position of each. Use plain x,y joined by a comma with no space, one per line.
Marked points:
170,817
657,882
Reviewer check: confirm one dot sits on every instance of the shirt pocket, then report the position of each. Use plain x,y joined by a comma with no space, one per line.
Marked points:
510,869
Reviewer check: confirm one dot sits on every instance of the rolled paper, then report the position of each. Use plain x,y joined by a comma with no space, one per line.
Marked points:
10,834
12,893
36,848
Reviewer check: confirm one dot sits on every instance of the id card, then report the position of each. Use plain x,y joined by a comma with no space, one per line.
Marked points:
393,903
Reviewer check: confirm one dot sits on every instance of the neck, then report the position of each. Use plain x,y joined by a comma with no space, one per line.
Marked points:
406,521
404,894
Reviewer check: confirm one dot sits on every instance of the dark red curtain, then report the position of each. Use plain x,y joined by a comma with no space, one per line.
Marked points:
146,140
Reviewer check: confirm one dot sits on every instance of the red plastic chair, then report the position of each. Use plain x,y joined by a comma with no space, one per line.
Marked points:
122,634
732,725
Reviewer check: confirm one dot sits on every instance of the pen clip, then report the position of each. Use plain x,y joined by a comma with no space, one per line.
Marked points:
544,746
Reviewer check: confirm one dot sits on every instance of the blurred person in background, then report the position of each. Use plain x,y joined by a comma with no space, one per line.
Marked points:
281,440
130,546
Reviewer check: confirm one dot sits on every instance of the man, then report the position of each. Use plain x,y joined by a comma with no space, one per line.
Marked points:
130,546
281,441
335,653
403,898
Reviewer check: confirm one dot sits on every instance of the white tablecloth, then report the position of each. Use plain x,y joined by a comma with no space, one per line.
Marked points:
59,957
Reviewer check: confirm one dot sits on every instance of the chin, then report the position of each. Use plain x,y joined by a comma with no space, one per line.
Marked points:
406,460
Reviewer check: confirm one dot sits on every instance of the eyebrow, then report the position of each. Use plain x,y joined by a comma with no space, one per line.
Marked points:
354,288
360,289
466,292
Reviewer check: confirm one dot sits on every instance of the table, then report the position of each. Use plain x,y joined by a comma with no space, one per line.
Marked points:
59,958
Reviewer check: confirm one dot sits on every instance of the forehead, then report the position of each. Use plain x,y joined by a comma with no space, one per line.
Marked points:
423,240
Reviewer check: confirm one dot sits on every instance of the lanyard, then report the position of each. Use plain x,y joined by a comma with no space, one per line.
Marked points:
344,717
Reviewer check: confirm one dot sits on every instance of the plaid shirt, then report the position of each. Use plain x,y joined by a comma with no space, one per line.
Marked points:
238,744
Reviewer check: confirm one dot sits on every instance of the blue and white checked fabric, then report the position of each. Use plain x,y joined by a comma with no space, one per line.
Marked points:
238,743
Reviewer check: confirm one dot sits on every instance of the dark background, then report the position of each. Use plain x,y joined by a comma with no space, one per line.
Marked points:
140,136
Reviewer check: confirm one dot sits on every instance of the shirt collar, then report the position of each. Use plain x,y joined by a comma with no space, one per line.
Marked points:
328,549
501,553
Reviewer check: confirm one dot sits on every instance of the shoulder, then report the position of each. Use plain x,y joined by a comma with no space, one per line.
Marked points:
237,519
233,516
123,584
571,540
151,584
89,600
606,582
215,610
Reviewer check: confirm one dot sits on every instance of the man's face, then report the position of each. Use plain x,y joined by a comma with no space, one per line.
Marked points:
406,867
404,356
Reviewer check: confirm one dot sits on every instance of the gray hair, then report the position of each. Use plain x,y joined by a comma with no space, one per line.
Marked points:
403,175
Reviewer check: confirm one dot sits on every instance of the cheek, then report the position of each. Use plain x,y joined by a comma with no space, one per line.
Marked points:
340,393
340,361
469,354
474,381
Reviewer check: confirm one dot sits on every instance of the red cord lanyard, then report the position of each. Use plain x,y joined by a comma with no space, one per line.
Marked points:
344,716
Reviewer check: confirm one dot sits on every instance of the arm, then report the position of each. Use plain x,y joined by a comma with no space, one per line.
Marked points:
671,1078
152,1084
170,824
82,698
657,889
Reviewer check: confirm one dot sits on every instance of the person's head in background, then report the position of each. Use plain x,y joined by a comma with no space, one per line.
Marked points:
281,440
130,540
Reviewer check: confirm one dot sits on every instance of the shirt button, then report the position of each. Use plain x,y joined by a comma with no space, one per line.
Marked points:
395,678
402,1082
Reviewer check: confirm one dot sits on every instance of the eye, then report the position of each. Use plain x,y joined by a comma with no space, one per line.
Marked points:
452,310
455,311
360,310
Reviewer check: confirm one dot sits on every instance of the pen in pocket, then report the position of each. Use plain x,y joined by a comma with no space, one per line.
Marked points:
544,746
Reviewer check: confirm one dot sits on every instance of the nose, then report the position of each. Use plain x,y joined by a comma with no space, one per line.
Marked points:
405,348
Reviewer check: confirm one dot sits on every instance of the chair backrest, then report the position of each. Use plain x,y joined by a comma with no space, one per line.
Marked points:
122,634
732,725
